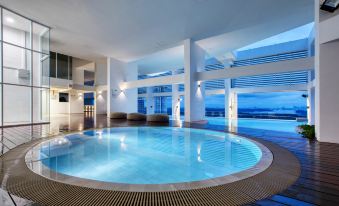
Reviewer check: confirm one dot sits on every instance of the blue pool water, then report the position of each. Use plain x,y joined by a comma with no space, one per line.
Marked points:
264,124
149,155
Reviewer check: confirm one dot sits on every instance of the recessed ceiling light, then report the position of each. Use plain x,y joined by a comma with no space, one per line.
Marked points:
10,20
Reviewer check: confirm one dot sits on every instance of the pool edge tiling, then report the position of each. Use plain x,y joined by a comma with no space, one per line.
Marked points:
19,180
40,169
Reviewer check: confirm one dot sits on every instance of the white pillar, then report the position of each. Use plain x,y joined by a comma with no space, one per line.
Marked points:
311,105
119,99
149,101
194,61
227,97
175,100
233,112
327,110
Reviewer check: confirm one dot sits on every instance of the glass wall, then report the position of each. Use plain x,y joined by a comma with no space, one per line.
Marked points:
163,105
142,105
24,70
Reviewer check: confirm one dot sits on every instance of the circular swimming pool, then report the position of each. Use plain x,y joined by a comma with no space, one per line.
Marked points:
145,155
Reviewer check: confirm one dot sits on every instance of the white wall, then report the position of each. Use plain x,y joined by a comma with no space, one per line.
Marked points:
194,90
76,102
101,102
78,68
56,106
101,72
101,86
327,93
118,72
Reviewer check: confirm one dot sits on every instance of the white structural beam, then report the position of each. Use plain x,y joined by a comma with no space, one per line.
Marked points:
260,69
214,92
269,68
284,88
157,81
161,94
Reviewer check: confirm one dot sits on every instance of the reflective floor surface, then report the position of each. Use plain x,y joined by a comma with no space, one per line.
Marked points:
317,185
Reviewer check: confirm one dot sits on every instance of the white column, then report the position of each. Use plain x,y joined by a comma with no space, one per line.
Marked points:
326,76
233,112
327,109
311,105
149,101
175,100
227,98
119,99
194,61
233,109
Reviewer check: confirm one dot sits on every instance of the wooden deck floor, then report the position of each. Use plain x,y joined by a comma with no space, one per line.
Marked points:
317,185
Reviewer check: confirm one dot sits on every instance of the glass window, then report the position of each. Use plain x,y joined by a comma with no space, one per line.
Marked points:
52,65
17,104
163,105
40,70
62,66
16,65
215,105
142,105
70,66
26,69
40,38
40,105
16,29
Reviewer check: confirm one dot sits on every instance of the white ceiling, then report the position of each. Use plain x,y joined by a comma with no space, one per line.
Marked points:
130,30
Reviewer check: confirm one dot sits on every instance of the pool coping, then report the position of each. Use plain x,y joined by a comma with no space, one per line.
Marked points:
40,169
17,179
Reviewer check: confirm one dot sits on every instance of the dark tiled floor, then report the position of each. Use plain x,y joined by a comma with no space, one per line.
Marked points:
317,185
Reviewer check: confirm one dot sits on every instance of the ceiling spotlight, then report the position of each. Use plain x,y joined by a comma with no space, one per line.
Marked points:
330,5
10,20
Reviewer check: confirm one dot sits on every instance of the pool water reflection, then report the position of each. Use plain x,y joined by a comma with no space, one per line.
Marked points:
149,155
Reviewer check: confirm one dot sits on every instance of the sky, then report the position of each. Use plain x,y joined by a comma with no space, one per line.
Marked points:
301,32
261,100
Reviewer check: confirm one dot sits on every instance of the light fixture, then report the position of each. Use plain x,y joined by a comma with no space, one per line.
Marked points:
99,92
330,5
10,20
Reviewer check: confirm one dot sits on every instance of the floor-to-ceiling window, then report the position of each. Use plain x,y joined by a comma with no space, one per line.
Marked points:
24,70
163,105
273,105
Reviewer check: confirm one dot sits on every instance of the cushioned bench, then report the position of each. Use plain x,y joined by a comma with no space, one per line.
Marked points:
118,115
136,117
158,118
